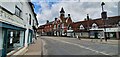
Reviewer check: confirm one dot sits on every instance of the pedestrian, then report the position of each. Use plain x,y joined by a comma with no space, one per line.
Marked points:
33,40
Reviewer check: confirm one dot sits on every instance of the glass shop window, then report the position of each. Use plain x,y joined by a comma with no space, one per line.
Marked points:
15,40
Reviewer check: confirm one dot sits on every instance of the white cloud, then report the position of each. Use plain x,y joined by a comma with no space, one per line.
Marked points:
78,10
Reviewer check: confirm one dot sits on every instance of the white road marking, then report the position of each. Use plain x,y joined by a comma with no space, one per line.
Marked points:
82,46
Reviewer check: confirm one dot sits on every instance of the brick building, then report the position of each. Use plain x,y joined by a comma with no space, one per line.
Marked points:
58,27
88,28
95,28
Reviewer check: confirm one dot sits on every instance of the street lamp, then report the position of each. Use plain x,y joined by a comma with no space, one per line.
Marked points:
104,17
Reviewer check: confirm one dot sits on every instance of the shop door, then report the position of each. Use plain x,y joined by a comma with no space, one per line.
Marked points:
96,35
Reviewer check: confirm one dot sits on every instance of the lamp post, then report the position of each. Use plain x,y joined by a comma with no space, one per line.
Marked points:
104,17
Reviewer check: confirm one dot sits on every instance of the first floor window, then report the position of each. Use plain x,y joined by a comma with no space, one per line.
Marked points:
18,11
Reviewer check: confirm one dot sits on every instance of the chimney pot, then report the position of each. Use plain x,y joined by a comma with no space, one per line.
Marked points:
69,15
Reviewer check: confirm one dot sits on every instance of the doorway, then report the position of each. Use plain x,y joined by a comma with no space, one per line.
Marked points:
96,35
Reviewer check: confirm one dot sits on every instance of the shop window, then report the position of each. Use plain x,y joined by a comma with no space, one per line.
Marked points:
15,40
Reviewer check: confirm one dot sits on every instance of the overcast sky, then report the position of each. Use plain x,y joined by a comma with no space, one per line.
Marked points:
49,9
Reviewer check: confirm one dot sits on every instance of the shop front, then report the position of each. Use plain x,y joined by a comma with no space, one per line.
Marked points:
70,33
12,39
96,33
112,33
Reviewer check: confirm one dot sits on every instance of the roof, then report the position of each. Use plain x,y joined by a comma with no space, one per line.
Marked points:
32,5
62,10
110,22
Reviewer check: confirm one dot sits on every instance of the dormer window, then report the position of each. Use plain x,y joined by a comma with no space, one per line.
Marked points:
82,27
94,25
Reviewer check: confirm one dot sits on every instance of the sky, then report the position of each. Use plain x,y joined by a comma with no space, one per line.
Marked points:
49,9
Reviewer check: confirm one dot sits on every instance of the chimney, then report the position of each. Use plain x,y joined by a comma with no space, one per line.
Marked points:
55,19
88,17
68,15
47,21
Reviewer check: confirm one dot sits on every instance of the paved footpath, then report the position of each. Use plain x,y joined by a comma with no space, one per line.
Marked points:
35,49
110,41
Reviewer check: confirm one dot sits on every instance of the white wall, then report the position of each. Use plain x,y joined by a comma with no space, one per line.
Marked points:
1,38
1,41
9,6
14,20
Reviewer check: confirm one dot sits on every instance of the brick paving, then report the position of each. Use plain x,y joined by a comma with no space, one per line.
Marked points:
35,48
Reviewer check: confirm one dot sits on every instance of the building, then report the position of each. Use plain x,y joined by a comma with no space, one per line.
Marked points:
95,28
88,28
58,27
18,24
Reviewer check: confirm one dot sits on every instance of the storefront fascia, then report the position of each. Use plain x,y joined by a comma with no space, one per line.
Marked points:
13,38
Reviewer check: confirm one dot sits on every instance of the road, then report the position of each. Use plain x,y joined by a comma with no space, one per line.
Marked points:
73,46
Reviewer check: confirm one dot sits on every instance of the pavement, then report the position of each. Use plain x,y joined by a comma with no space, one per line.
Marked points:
35,48
109,41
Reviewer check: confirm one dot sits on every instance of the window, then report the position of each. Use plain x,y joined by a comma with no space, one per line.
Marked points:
30,19
94,25
17,11
54,26
33,22
58,25
81,27
15,40
63,25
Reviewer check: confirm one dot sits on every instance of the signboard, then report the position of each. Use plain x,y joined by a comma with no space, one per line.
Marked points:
112,29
